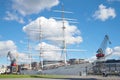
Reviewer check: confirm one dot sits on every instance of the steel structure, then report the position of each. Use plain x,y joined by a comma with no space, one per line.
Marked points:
102,48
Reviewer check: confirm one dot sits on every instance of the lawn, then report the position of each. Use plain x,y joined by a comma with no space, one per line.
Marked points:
31,76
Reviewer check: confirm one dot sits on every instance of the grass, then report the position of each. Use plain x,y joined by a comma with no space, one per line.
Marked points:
31,76
49,76
14,76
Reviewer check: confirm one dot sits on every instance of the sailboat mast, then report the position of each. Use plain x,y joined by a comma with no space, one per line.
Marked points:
40,41
64,41
64,45
29,52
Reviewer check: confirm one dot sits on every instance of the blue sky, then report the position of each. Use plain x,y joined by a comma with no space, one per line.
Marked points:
95,18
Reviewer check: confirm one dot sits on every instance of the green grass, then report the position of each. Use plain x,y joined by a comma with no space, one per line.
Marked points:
48,76
14,76
32,76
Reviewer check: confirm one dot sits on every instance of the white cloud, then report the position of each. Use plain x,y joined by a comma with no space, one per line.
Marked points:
6,46
27,7
23,58
109,50
9,45
52,30
21,8
113,0
112,51
50,52
11,16
116,51
104,13
92,59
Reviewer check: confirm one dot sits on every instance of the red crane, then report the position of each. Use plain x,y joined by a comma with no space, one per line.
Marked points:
13,65
101,50
12,59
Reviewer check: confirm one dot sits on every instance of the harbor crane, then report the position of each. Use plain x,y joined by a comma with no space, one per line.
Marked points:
102,48
12,59
97,65
13,65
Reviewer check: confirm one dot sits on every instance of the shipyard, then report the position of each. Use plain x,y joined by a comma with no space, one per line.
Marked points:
59,40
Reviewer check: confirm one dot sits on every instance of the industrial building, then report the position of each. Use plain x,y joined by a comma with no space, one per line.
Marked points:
110,66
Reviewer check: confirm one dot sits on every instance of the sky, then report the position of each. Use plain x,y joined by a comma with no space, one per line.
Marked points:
86,22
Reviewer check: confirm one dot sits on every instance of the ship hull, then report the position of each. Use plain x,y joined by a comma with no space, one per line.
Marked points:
77,69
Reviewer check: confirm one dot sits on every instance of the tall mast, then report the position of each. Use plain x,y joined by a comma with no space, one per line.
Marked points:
29,52
64,52
40,41
64,41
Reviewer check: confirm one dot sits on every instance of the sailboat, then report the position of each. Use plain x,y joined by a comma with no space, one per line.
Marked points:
63,67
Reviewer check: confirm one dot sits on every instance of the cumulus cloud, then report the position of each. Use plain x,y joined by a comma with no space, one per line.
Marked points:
27,7
52,30
21,8
9,45
6,46
11,17
113,0
23,58
104,13
52,34
113,52
92,59
109,52
116,51
49,52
